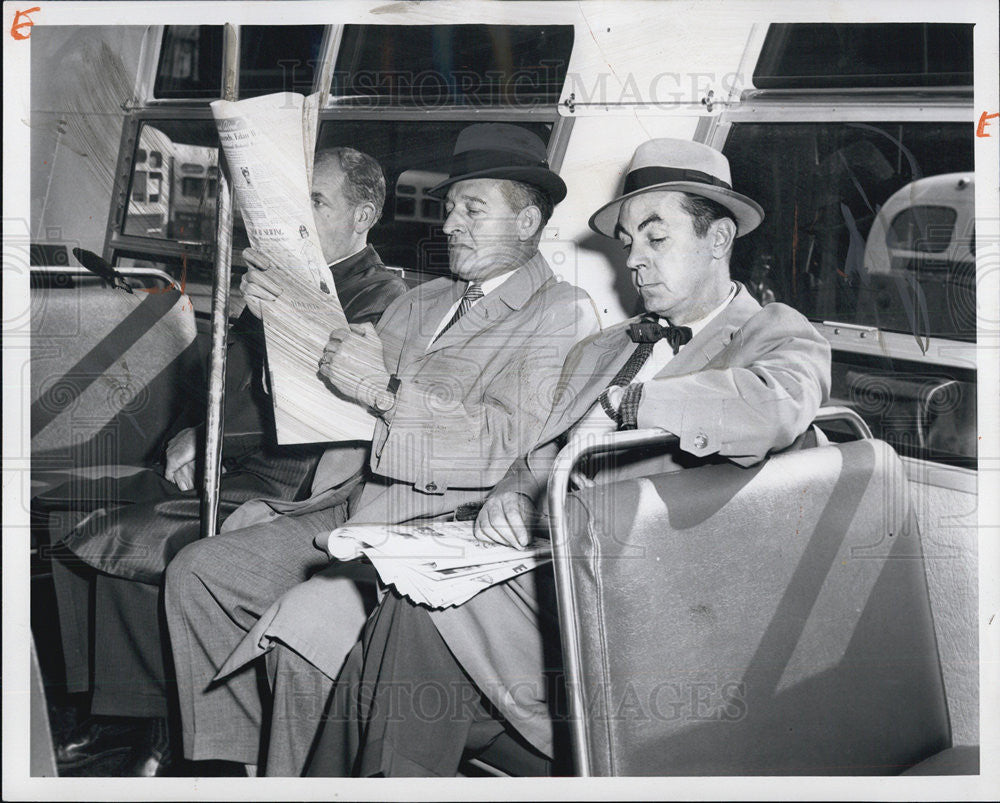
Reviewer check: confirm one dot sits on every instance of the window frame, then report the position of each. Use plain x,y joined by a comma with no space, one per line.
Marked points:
867,106
147,109
845,336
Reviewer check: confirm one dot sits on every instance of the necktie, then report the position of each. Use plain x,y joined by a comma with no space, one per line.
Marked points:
473,293
645,333
649,330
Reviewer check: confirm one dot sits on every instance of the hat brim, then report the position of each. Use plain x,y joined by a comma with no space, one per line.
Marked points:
539,177
747,212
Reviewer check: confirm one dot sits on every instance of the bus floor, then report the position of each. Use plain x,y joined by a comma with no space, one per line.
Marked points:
122,753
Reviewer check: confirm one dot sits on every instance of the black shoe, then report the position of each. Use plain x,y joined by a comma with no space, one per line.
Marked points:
97,737
152,757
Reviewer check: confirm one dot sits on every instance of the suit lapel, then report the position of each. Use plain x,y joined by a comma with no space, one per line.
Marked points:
588,370
716,336
597,362
426,311
513,294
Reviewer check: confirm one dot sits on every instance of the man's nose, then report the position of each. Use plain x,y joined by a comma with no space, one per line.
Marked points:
636,259
452,224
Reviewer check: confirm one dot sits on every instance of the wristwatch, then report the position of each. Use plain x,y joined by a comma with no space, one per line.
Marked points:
385,400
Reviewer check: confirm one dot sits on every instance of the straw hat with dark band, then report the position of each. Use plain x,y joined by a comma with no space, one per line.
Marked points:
500,150
680,165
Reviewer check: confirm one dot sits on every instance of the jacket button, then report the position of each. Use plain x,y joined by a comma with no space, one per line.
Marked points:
700,440
431,486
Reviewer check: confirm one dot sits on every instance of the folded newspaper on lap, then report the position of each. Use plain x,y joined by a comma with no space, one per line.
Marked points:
268,142
437,564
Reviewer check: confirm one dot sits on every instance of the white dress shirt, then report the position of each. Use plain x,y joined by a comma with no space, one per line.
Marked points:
487,285
596,422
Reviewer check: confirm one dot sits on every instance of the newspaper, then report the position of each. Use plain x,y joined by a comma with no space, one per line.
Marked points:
269,143
437,564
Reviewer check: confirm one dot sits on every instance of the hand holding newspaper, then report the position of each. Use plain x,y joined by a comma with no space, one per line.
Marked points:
438,564
268,143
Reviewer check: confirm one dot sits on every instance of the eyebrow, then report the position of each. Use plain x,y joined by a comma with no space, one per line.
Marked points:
620,229
472,198
316,194
653,218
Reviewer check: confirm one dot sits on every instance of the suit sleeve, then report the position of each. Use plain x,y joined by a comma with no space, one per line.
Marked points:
438,440
778,376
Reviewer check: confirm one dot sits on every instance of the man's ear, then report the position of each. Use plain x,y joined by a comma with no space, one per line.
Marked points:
529,221
723,233
364,217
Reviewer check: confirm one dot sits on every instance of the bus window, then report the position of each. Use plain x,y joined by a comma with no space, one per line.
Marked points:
190,63
166,203
278,58
409,234
437,65
870,225
822,186
852,55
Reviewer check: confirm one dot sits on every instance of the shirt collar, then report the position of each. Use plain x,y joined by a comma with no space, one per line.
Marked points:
494,282
701,323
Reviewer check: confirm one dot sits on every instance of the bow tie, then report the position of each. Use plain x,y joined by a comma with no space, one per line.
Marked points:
649,330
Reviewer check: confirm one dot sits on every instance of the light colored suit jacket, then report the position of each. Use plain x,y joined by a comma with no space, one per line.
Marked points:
468,404
750,382
747,384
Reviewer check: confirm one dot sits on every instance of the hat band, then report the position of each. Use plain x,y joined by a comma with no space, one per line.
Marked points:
478,160
643,177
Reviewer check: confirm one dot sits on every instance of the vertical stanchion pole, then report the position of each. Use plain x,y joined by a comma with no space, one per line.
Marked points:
220,310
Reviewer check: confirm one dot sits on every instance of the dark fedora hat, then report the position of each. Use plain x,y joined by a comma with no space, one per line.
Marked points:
501,150
680,165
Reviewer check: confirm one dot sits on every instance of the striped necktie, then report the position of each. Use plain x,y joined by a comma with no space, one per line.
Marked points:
473,293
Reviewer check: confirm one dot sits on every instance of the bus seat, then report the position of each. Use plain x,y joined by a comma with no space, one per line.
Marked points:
765,621
110,373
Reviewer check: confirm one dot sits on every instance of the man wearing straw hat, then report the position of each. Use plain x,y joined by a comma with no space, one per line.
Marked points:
469,364
706,362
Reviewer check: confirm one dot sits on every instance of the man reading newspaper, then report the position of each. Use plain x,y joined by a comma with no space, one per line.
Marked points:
469,364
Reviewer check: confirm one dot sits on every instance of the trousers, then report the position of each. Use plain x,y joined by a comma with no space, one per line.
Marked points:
108,572
403,706
216,590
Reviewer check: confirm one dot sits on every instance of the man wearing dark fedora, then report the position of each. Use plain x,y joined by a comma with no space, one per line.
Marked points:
468,365
706,362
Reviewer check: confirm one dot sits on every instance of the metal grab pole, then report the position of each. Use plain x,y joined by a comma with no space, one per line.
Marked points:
217,359
562,563
220,312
